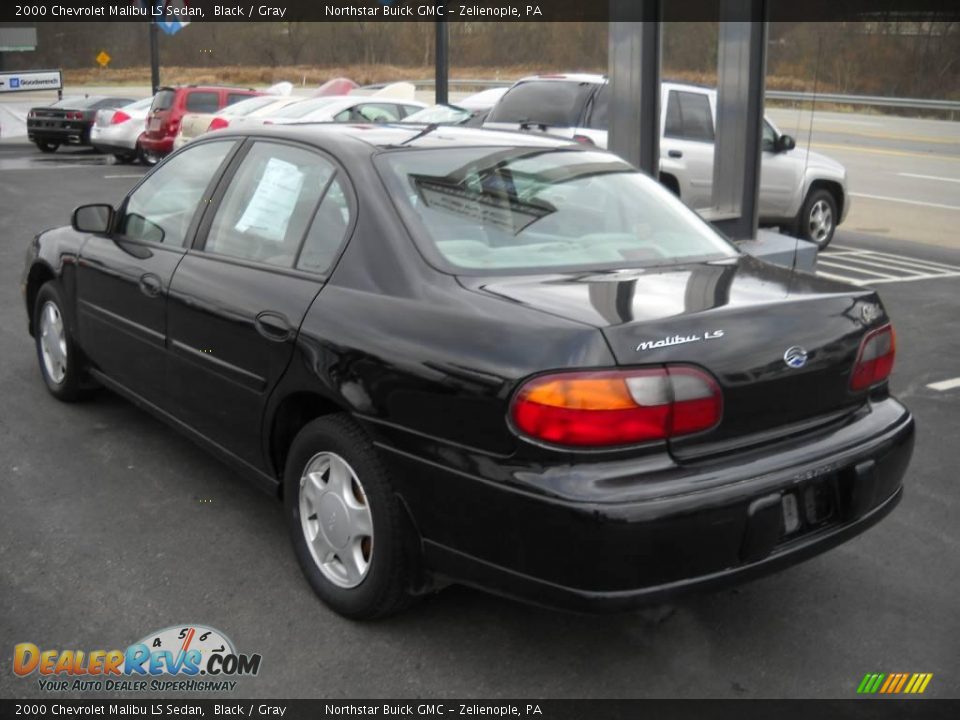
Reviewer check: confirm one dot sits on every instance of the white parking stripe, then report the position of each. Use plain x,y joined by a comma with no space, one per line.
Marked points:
850,265
908,202
945,384
114,177
929,177
864,271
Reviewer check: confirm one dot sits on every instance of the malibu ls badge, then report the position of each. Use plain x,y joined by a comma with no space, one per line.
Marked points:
678,340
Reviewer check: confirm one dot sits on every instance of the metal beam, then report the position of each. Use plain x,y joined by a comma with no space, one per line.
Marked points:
634,72
442,60
737,152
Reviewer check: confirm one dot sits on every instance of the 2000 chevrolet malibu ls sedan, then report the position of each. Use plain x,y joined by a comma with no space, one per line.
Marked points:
473,356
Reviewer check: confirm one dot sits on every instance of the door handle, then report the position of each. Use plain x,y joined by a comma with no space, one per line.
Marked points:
150,285
675,153
273,326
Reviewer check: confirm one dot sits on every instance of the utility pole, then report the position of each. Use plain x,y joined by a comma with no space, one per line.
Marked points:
442,66
154,57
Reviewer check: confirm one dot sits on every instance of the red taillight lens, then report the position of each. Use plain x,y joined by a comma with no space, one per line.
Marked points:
583,140
617,407
173,126
875,359
118,117
74,116
218,123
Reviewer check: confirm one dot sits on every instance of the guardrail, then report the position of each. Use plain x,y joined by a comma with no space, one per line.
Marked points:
952,106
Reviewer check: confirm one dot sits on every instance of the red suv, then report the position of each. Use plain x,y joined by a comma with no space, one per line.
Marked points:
170,104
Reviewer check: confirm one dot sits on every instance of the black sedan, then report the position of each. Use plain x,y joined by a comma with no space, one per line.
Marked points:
480,357
68,121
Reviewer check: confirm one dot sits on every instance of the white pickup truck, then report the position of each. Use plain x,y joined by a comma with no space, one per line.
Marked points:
802,192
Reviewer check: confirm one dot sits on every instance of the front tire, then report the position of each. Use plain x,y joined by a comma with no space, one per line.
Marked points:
47,147
345,522
61,363
124,158
818,218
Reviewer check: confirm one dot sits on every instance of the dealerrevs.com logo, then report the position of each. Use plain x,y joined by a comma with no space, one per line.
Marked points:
177,658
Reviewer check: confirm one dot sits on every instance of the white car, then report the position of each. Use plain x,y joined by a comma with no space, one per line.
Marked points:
471,111
803,192
116,131
346,108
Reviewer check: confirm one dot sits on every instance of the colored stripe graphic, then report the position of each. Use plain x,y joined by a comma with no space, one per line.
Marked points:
894,683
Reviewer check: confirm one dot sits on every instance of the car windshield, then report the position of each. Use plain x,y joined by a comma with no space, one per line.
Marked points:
481,209
445,114
77,102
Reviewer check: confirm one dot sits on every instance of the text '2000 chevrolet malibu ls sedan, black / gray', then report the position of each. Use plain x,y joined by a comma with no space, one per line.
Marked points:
481,357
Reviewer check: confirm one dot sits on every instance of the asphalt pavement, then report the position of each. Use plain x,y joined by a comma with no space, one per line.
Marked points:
113,525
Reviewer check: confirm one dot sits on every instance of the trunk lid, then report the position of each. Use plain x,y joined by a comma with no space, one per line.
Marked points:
737,319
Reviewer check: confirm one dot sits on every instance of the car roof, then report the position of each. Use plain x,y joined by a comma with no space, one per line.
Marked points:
597,79
386,135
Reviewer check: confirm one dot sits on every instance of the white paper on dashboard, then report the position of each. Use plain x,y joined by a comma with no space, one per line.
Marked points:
272,204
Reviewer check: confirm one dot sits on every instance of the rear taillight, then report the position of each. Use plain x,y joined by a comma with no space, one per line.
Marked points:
218,123
617,407
583,140
31,114
875,359
118,117
74,116
173,126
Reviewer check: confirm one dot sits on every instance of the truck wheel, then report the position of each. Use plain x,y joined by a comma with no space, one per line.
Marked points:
818,218
47,147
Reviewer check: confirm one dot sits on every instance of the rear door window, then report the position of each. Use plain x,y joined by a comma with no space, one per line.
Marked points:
377,112
272,198
237,97
203,102
689,116
546,102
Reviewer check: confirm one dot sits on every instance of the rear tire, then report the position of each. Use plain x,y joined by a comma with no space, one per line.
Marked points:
817,221
61,362
124,158
148,157
345,522
47,147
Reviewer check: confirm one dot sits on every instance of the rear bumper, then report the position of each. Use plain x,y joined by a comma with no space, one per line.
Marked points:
157,146
690,527
77,135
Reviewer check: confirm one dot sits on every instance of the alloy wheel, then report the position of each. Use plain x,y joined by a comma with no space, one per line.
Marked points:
53,342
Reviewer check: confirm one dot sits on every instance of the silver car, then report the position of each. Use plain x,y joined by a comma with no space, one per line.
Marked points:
802,192
117,131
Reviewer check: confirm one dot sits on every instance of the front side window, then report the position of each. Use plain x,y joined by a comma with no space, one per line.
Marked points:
769,137
162,208
272,198
599,119
377,112
488,209
234,98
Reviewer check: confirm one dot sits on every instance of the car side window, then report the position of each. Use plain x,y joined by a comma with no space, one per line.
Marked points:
237,97
265,211
326,232
377,112
769,137
203,102
601,106
688,116
162,208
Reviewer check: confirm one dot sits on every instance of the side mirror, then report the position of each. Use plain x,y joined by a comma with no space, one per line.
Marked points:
785,143
93,218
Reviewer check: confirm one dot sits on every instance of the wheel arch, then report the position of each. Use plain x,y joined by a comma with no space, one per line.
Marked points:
834,188
289,416
40,273
669,181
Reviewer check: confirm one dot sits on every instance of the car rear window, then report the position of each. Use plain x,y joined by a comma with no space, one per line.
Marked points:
78,103
547,102
512,209
203,102
163,100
